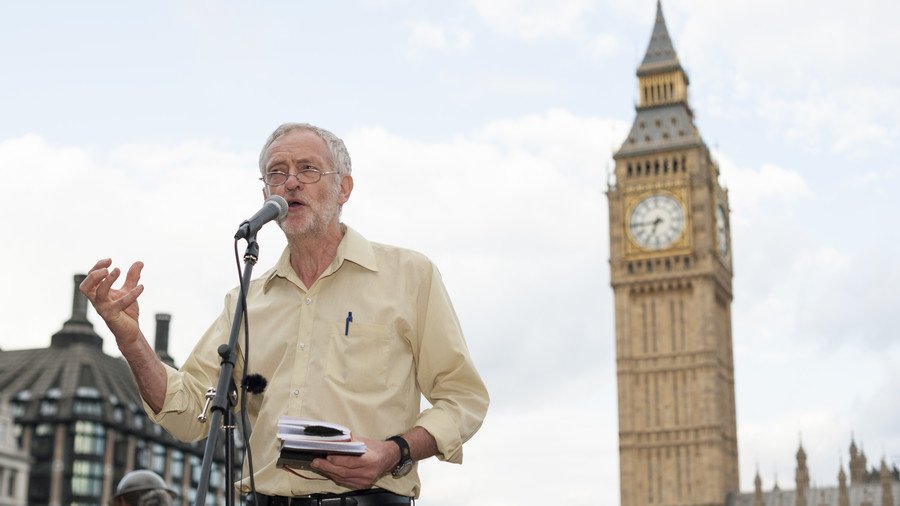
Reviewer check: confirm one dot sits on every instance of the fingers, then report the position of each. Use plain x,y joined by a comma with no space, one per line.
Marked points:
129,298
97,273
97,285
133,276
109,277
351,472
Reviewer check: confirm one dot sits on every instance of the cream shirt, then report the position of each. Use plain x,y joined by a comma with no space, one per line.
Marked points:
404,341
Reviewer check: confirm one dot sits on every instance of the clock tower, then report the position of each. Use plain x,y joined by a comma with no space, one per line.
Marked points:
670,261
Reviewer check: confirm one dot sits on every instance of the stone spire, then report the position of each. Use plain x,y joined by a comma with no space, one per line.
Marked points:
664,119
887,491
660,55
757,492
77,329
802,478
857,464
843,493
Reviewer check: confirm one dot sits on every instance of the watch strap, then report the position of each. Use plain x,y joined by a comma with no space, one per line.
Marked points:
405,462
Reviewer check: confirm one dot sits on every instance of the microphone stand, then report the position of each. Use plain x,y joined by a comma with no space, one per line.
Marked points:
224,396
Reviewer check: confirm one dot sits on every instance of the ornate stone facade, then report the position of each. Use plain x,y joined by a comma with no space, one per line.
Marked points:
875,487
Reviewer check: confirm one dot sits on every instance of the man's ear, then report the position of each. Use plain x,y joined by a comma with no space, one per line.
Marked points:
346,189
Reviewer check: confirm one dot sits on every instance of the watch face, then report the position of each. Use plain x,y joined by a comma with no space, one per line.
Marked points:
656,222
722,230
403,469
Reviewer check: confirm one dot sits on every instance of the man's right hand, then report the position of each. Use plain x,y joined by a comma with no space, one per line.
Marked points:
118,307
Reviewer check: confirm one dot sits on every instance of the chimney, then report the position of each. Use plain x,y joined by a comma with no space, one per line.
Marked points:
77,329
162,338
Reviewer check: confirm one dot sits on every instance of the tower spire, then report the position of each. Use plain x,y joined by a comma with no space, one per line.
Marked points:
660,55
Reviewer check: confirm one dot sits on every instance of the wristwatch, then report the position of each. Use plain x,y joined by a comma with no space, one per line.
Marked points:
406,462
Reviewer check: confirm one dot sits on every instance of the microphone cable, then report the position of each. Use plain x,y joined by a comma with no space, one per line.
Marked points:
245,422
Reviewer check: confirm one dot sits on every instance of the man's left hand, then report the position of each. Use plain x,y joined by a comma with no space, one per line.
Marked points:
357,473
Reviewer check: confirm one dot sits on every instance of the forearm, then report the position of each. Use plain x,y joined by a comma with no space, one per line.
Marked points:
148,372
422,444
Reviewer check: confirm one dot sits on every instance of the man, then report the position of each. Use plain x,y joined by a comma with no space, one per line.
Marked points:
344,330
142,488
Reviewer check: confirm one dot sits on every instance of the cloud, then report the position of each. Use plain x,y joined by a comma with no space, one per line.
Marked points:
818,77
823,405
574,425
604,45
167,205
750,187
854,121
426,36
491,84
512,210
533,19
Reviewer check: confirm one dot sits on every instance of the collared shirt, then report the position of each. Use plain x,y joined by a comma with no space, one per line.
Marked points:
367,372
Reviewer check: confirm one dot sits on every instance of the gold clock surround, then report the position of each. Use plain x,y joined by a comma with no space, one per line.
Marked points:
680,245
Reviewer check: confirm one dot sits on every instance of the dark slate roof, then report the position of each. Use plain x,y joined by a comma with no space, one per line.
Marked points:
661,128
660,55
74,370
64,373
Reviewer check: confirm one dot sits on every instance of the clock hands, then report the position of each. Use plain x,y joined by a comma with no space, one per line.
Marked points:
654,223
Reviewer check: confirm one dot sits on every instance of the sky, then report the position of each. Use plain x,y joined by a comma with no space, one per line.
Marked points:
481,135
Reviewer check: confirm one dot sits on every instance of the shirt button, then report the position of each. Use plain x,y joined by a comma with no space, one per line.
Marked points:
308,300
296,392
302,346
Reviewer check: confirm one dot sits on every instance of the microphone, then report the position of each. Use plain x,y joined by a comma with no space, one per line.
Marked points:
275,208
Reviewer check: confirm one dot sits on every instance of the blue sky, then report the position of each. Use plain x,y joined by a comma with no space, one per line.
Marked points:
481,134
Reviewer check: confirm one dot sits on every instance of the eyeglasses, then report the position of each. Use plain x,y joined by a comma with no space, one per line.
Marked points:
307,175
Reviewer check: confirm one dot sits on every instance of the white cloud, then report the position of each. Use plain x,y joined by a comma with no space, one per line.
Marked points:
816,72
426,36
604,45
165,205
749,187
534,19
854,121
569,426
491,84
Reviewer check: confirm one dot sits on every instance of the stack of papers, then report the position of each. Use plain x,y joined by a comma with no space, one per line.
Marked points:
303,440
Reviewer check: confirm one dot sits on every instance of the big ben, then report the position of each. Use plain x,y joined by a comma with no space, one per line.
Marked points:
671,273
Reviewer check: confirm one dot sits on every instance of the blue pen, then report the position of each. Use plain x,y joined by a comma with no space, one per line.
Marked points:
347,323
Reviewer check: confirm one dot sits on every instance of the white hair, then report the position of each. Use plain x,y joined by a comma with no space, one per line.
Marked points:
340,158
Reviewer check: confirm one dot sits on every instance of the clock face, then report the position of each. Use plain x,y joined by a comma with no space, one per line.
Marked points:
656,222
722,230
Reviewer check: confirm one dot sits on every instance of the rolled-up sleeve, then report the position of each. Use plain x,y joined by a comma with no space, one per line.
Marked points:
445,372
186,388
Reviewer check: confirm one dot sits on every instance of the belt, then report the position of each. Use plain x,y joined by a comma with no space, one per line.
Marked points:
373,497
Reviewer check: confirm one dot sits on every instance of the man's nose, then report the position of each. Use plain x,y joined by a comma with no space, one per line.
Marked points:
296,184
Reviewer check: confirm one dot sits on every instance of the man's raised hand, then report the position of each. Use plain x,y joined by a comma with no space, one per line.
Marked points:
118,307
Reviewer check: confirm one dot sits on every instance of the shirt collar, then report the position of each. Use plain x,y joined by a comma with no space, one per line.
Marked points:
353,247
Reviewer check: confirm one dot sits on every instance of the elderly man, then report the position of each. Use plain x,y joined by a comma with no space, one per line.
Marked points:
344,330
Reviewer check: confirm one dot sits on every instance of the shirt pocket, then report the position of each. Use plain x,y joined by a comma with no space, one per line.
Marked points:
358,356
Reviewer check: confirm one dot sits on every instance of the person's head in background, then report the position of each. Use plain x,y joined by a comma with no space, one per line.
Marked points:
142,488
